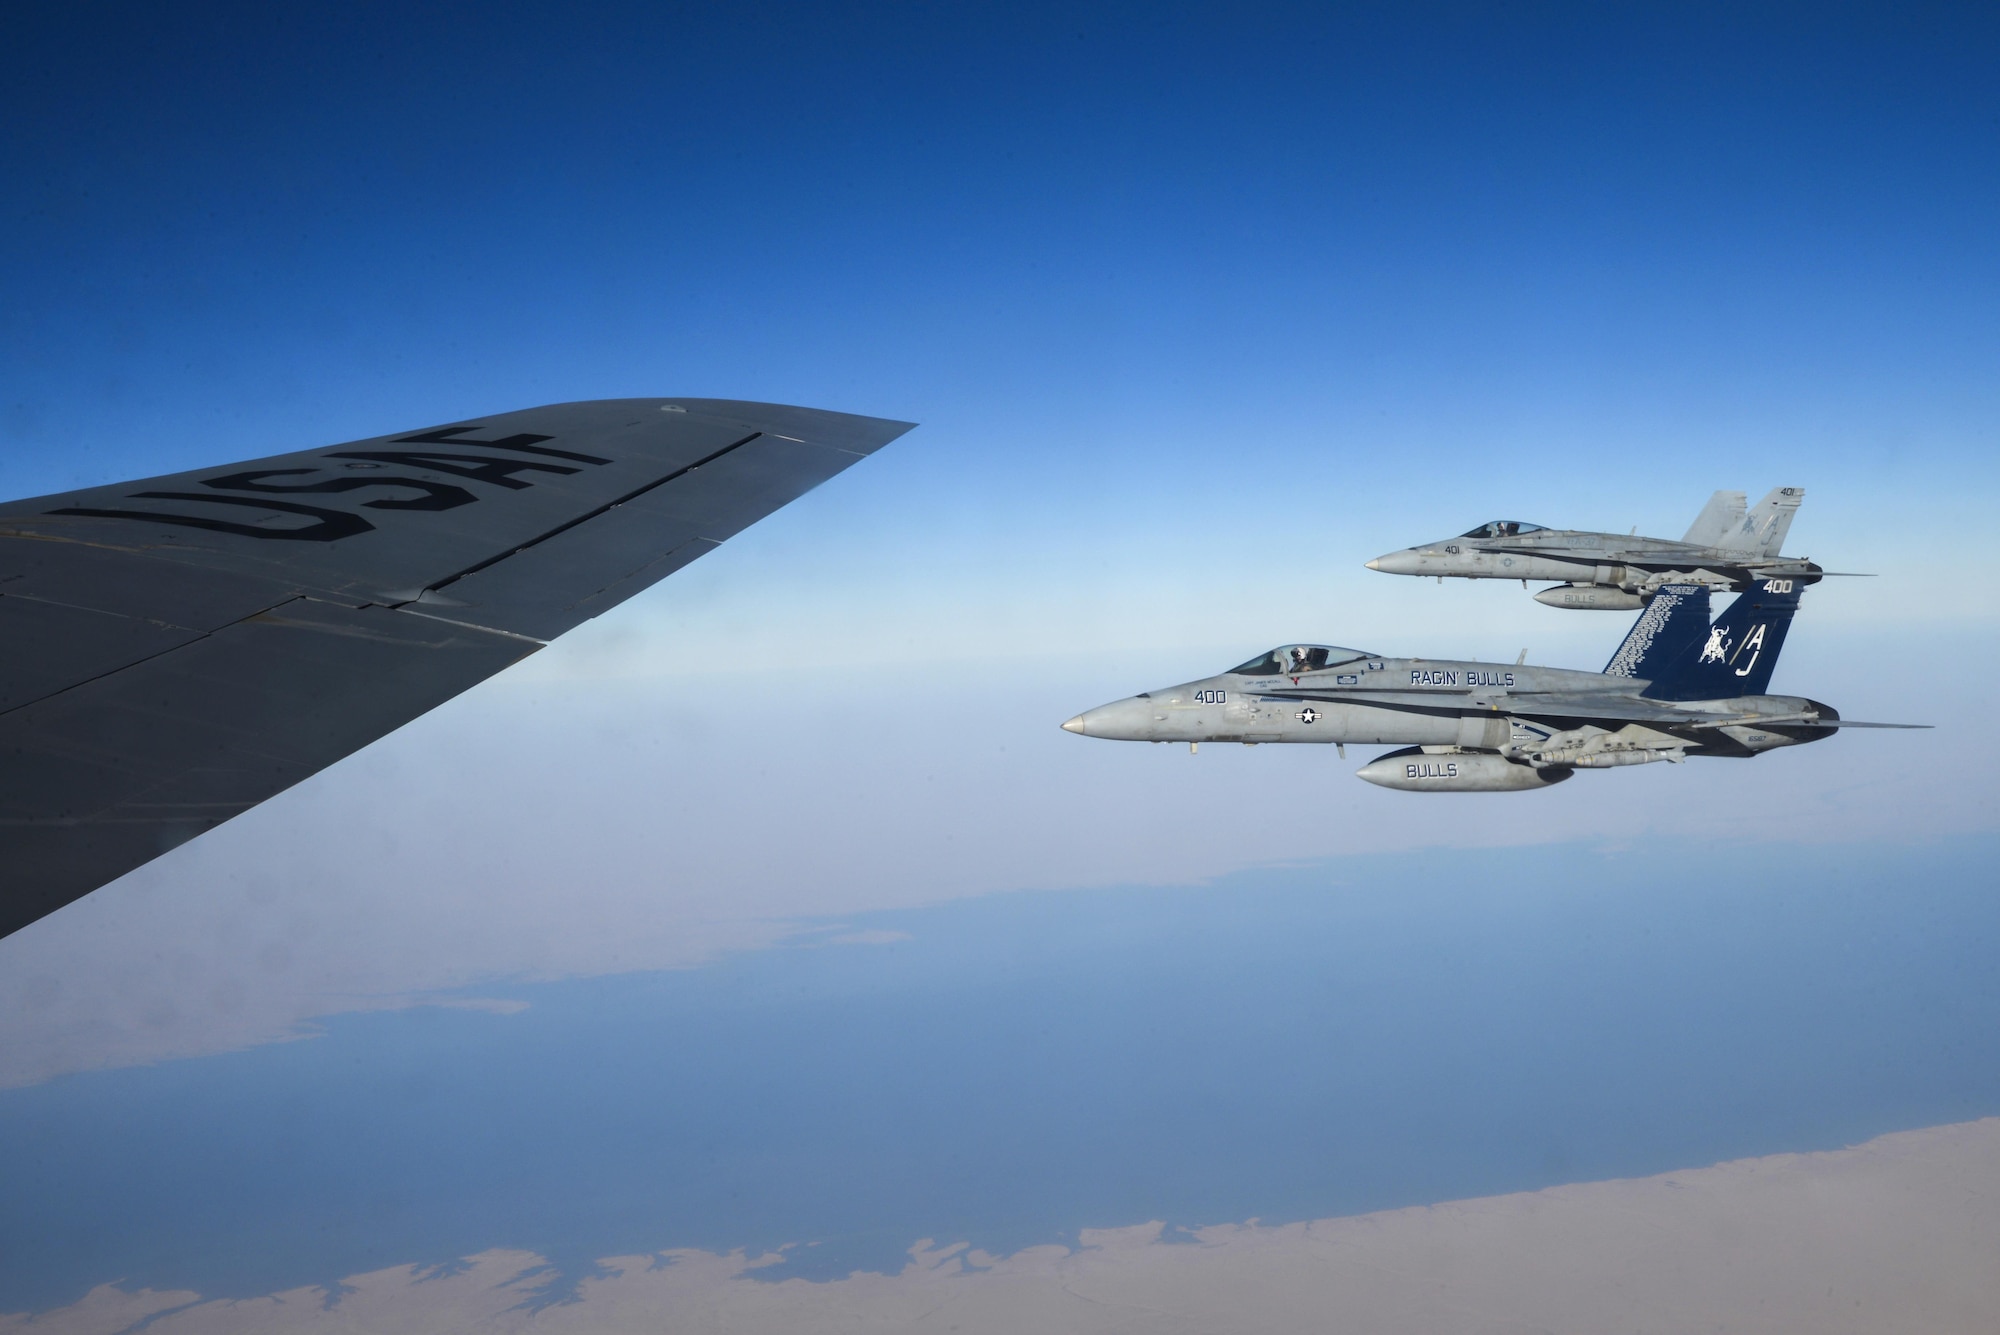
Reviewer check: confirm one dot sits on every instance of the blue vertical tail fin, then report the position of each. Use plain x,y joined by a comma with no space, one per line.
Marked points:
1739,651
1672,624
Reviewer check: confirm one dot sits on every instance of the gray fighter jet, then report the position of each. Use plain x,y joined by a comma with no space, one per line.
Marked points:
1677,687
1726,548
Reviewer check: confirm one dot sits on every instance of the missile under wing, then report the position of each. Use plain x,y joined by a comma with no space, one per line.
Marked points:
1728,547
182,648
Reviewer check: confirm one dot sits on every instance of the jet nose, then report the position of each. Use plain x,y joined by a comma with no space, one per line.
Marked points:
1406,562
1131,720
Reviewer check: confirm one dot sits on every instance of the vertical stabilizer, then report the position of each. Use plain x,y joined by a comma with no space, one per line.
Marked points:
1670,627
1762,531
1723,513
1739,651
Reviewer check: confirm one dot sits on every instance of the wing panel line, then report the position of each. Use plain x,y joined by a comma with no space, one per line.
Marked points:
565,527
126,667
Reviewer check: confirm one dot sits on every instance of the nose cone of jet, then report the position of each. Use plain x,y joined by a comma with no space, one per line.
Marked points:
1120,721
1405,562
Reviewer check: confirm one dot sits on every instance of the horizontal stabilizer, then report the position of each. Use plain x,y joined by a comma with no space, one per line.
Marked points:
1857,723
1812,720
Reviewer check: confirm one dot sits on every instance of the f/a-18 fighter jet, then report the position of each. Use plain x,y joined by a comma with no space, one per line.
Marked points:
1677,687
1727,548
180,649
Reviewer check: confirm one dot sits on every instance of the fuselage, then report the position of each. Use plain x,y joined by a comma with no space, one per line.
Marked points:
1456,704
1637,566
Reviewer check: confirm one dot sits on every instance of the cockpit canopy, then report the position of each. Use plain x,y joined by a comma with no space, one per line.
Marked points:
1293,660
1504,528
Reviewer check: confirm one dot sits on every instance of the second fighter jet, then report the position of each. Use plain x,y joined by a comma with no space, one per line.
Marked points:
1727,548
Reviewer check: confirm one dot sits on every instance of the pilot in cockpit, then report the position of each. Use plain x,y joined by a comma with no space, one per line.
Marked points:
1504,528
1295,660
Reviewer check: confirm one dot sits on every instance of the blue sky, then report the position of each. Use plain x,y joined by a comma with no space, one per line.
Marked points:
1131,241
1154,281
1199,309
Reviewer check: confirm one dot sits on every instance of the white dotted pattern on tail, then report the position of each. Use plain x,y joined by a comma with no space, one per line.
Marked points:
1625,663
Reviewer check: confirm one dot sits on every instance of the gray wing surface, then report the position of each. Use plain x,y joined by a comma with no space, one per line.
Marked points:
1567,708
1563,707
182,648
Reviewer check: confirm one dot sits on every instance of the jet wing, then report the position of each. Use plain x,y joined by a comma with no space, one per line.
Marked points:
181,648
1589,707
1763,566
1607,549
1653,554
1568,708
